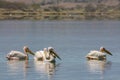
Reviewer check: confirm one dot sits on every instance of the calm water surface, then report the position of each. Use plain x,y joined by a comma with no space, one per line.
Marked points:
72,40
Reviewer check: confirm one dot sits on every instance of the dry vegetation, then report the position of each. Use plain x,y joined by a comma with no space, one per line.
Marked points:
71,8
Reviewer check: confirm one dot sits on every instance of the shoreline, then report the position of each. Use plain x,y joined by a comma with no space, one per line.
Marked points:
56,15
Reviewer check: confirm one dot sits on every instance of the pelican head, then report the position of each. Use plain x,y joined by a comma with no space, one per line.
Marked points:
50,48
53,53
27,50
102,49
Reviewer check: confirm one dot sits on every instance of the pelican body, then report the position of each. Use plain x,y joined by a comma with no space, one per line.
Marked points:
98,55
47,55
17,55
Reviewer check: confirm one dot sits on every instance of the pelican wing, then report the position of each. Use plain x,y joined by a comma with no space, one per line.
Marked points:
39,56
96,53
16,54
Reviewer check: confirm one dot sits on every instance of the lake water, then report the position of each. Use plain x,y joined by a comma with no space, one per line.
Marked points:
72,40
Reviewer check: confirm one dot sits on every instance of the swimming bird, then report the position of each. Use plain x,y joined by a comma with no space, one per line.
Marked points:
98,55
47,55
17,55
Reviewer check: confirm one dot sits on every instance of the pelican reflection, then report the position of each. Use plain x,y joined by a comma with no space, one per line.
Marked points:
17,66
98,66
45,67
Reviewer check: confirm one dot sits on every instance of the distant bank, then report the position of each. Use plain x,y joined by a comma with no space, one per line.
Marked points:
56,15
60,9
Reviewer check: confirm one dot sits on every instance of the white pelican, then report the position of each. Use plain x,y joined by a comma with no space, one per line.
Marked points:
46,55
17,55
98,55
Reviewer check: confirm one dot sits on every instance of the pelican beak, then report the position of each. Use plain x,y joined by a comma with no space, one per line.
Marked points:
55,54
30,52
108,52
27,50
8,56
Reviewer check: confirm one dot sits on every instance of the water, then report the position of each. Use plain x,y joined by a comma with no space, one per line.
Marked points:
72,40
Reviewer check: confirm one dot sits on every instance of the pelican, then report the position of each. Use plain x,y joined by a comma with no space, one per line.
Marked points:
17,55
47,55
98,55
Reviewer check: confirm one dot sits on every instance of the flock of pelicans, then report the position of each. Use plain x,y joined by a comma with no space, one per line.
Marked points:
49,54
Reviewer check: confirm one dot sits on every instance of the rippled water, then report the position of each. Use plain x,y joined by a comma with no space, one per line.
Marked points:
72,40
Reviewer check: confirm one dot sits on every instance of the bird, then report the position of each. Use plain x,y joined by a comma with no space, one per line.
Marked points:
98,55
47,55
17,55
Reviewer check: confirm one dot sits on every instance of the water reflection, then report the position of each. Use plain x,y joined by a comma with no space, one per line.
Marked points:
15,66
95,66
45,67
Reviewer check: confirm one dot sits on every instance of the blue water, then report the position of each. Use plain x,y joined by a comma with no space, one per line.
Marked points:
72,40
